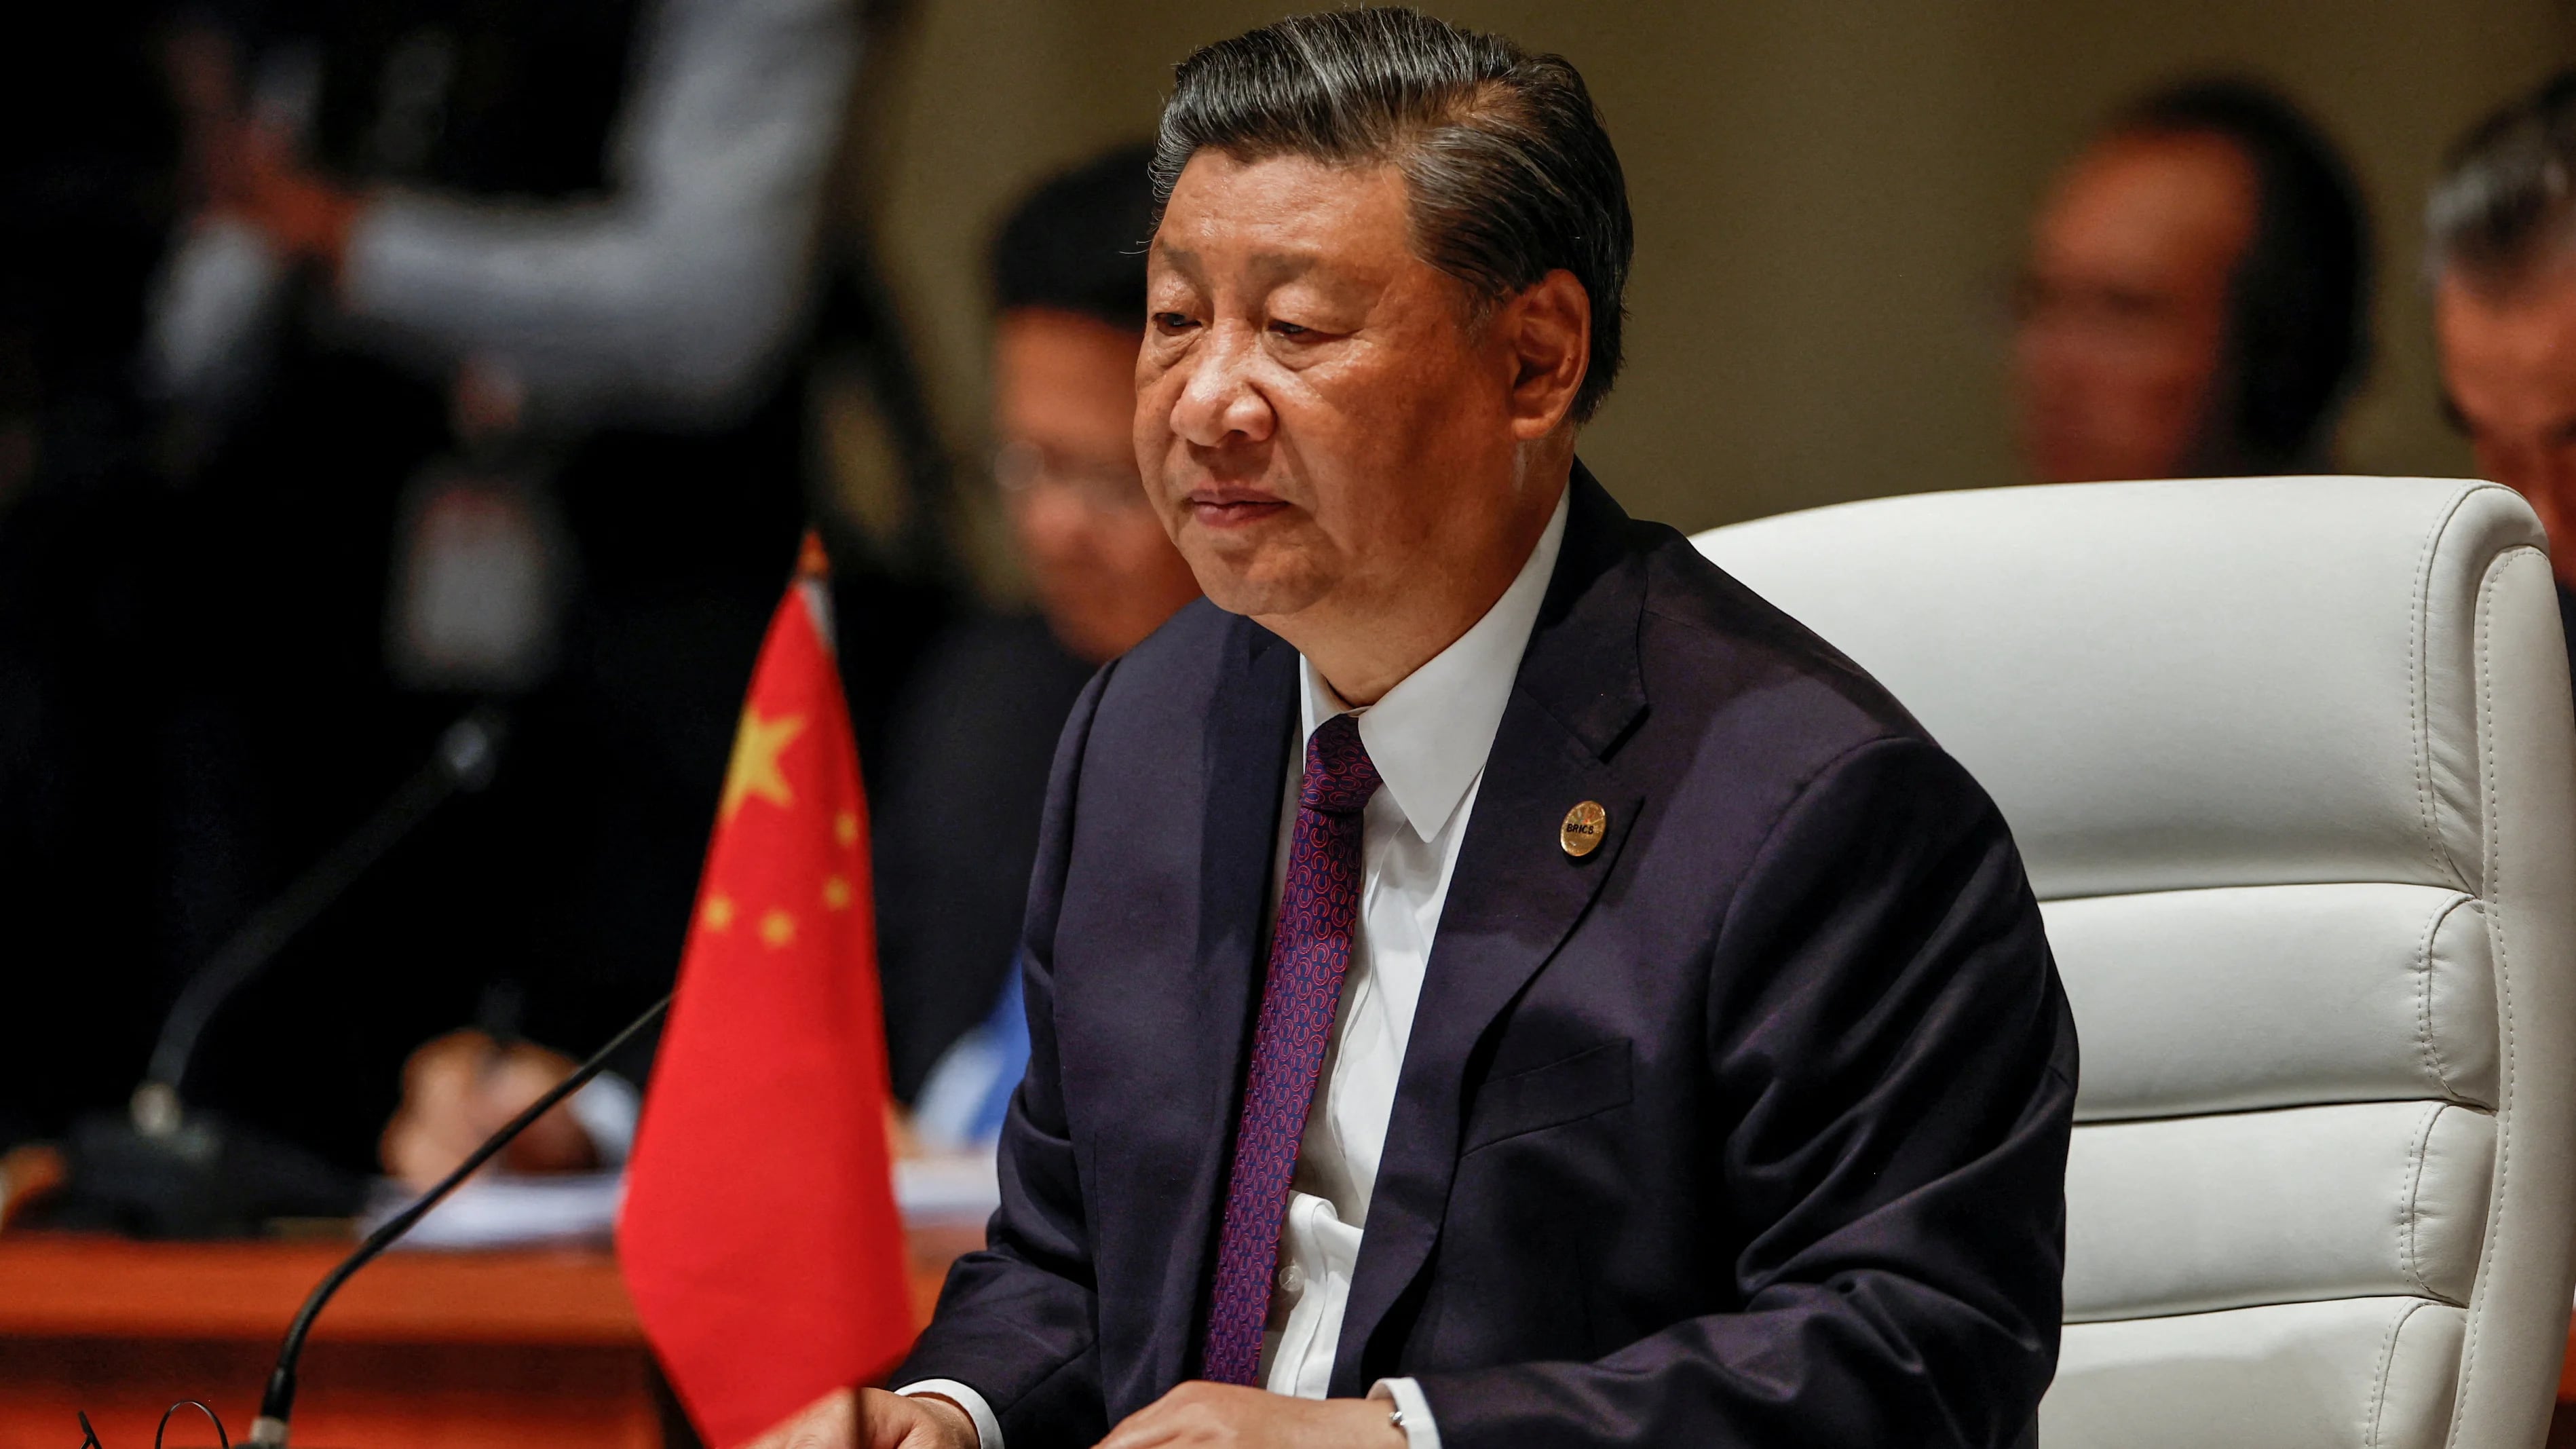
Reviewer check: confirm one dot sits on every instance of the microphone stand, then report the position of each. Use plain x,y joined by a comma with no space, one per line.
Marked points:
277,1404
466,755
166,1171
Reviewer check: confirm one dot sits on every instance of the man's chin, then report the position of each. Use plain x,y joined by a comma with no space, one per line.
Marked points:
1256,591
1262,571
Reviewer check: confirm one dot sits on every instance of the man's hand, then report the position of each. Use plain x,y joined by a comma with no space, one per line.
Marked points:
1240,1418
242,167
459,1089
873,1419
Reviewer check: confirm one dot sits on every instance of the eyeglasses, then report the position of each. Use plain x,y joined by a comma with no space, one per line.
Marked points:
90,1439
1021,469
2106,316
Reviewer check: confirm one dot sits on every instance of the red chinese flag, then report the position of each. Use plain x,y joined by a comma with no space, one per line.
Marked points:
760,1238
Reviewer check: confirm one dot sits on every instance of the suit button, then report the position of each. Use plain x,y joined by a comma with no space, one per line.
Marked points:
1292,1279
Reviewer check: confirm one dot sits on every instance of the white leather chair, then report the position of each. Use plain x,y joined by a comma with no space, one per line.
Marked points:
2292,765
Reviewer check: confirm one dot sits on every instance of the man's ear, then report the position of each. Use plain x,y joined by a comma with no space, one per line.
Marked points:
1549,327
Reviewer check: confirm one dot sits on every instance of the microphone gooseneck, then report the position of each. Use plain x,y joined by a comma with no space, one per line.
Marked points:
277,1404
464,760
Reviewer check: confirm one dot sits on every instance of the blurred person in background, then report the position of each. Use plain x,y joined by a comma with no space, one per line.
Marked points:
2195,299
970,747
962,778
2501,251
492,329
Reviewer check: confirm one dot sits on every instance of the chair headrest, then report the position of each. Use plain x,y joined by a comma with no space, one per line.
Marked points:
2198,683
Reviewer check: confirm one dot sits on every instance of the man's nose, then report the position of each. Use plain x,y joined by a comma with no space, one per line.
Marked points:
1218,402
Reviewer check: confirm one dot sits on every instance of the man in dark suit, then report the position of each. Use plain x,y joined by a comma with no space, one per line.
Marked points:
1492,980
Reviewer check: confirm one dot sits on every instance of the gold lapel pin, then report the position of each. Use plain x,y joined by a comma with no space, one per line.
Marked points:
1584,826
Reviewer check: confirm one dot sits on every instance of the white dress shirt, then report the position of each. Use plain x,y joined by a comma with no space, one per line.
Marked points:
1428,737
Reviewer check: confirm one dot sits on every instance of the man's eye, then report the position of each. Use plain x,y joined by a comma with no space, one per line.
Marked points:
1289,329
1173,321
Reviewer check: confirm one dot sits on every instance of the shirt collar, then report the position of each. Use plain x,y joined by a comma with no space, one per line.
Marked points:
1429,735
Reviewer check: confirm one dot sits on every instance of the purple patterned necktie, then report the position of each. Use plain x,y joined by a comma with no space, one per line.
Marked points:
1310,949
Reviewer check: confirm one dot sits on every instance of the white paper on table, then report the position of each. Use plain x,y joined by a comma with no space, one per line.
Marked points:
959,1187
512,1210
508,1210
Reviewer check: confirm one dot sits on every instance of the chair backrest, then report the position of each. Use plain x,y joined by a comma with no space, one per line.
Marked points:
2292,765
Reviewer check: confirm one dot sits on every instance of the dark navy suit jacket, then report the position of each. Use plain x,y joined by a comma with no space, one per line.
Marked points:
1748,1128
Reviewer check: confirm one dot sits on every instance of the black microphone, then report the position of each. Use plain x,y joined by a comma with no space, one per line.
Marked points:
277,1405
467,753
165,1171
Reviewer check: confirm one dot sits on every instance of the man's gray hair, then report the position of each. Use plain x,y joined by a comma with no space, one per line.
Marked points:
1508,170
2503,202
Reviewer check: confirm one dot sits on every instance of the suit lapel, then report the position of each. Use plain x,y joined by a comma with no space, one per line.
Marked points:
1249,724
1515,893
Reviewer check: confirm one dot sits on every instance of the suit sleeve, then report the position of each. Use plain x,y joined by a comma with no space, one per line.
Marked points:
1017,1320
1895,1065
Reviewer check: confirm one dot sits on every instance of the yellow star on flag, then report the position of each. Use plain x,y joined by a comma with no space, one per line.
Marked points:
777,928
754,767
836,894
718,914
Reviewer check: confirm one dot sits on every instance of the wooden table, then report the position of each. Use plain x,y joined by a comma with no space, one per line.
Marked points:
422,1350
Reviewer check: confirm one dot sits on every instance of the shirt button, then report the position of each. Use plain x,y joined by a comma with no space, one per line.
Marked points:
1292,1279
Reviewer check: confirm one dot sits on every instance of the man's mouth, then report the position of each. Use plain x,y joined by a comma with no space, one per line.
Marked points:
1230,506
